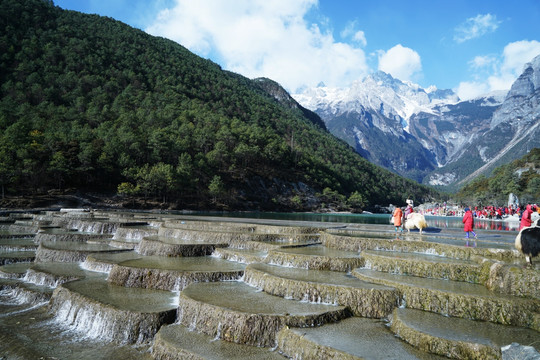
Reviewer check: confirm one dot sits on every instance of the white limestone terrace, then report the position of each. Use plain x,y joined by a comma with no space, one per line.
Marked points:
271,289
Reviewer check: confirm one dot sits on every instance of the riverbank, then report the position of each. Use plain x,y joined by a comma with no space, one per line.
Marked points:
54,201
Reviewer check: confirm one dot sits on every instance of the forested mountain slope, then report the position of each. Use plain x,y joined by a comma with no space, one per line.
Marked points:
520,177
89,103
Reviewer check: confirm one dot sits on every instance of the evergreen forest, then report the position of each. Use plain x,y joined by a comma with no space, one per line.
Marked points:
89,105
521,177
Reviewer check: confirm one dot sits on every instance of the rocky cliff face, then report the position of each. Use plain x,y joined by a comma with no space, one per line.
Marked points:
522,104
514,129
429,135
450,132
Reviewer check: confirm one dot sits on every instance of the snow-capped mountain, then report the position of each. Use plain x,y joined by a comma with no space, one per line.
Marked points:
429,134
451,128
514,128
390,97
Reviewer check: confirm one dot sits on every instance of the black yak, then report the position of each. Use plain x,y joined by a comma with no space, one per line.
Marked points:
528,241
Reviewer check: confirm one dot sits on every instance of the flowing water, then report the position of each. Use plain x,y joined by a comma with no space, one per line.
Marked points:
452,222
101,287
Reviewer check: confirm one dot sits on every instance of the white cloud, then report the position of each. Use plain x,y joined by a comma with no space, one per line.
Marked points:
263,38
401,62
498,72
360,37
476,27
469,89
517,54
482,62
357,36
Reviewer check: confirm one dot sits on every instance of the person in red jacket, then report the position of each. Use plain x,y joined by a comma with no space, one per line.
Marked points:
526,217
468,225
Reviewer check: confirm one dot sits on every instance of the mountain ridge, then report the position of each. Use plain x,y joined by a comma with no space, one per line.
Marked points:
443,141
89,103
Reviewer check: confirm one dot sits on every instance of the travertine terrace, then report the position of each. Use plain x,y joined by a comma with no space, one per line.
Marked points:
164,286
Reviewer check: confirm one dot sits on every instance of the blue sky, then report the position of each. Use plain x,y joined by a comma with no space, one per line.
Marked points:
471,46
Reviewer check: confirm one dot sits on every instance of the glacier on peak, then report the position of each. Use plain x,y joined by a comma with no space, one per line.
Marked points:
435,137
379,92
495,97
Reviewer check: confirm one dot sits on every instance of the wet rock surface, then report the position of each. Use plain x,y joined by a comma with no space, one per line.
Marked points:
176,342
111,313
165,286
354,338
326,287
154,272
458,299
456,337
316,257
236,312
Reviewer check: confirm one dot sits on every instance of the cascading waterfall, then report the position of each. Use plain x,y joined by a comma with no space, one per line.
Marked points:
8,248
43,279
103,322
18,296
93,226
70,236
96,266
99,308
84,320
134,233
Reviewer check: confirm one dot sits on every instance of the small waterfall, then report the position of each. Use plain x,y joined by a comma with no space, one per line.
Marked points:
93,226
23,229
402,302
176,299
134,233
102,322
193,324
8,261
180,284
19,295
179,315
40,279
96,266
51,255
218,332
9,275
9,248
72,236
166,279
429,252
83,319
44,279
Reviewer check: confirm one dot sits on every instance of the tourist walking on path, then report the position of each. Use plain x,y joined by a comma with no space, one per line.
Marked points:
468,225
526,220
397,215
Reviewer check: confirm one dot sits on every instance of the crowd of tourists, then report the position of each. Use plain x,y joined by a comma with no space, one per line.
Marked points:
479,212
526,215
